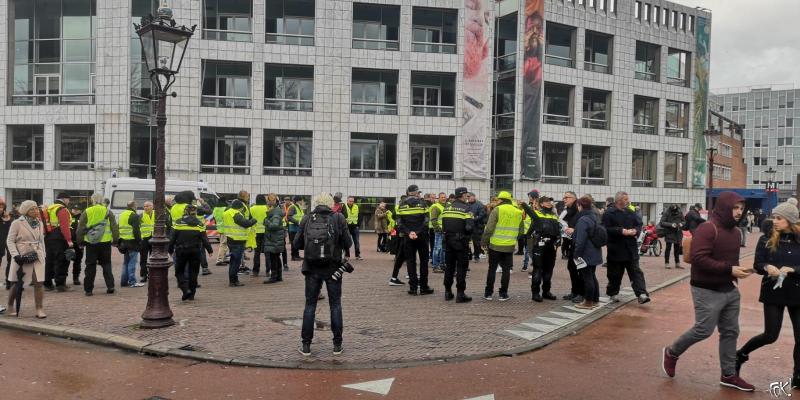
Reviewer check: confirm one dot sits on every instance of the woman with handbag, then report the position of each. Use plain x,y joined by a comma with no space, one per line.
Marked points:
26,244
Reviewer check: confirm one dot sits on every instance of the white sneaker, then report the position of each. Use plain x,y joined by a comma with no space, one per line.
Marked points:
499,270
487,298
138,284
613,299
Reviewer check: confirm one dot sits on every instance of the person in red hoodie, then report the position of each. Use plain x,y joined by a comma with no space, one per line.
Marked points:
715,270
57,240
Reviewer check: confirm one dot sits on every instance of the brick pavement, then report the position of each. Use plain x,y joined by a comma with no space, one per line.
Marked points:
382,324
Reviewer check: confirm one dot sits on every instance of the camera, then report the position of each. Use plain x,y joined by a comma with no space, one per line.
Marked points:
345,266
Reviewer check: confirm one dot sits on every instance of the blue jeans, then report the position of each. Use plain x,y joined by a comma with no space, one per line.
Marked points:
237,253
129,261
354,233
313,287
437,258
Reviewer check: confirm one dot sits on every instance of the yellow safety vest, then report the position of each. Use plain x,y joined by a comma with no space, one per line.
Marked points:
52,213
176,212
391,220
438,206
147,224
125,228
298,214
506,231
259,212
96,214
232,229
352,214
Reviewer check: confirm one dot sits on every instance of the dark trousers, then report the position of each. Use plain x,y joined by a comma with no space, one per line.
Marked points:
431,240
144,254
257,252
505,261
313,287
56,265
237,253
521,243
274,266
5,253
412,248
543,261
187,267
76,262
616,269
476,247
295,251
566,247
382,239
773,319
399,257
591,288
99,253
355,234
456,257
575,278
678,252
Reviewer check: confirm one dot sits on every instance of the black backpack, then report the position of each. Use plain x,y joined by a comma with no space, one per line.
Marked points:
320,237
598,236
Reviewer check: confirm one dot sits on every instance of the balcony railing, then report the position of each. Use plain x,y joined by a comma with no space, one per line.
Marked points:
430,47
376,44
507,62
51,99
593,181
675,132
644,129
502,182
226,102
142,106
678,81
642,183
225,169
601,68
27,164
555,119
287,171
75,165
287,38
228,35
288,105
373,173
674,184
560,61
430,175
555,179
433,111
503,122
592,123
646,76
373,108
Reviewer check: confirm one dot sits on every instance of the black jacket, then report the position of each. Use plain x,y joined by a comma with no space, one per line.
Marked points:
342,233
672,224
417,223
621,248
693,220
479,215
189,240
786,255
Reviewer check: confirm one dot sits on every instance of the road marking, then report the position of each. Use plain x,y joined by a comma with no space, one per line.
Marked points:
381,387
580,310
567,314
540,327
527,335
555,321
484,397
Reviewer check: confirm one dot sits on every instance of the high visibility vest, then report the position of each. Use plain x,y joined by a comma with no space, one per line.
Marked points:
96,214
147,224
298,214
391,220
52,214
438,206
506,231
176,212
406,210
527,222
219,215
125,228
352,214
259,212
232,229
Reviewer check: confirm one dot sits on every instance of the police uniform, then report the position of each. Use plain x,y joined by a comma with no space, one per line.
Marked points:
412,217
545,235
457,226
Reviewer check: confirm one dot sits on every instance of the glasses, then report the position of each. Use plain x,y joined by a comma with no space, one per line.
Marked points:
568,197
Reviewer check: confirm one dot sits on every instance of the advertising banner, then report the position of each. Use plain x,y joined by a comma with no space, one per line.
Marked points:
702,67
477,98
532,89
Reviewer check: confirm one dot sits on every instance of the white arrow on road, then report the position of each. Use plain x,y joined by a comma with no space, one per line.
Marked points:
485,397
381,387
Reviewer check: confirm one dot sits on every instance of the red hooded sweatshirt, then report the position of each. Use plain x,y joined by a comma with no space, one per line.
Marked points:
716,251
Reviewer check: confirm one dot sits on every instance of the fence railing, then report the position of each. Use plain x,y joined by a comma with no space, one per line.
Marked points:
373,108
560,61
228,35
288,105
376,44
287,171
226,102
225,169
554,119
430,175
644,129
51,99
433,111
431,47
593,123
288,38
373,173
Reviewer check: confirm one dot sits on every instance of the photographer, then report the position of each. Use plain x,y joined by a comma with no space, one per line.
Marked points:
323,235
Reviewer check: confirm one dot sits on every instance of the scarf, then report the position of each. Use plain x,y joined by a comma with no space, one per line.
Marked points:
33,222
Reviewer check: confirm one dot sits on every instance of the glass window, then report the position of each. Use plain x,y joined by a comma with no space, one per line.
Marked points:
75,149
559,45
287,152
225,150
557,104
373,155
595,109
506,43
26,146
677,67
290,22
376,26
502,167
597,53
557,162
374,92
504,103
20,195
674,170
645,115
228,20
647,60
594,165
677,120
434,30
433,94
226,84
143,151
430,157
644,168
289,87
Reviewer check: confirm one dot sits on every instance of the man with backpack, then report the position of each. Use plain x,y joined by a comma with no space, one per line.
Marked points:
323,236
98,230
623,227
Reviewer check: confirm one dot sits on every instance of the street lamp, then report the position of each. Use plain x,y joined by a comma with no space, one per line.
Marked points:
164,45
711,133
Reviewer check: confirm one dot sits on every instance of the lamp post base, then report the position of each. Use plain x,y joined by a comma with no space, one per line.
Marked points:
158,313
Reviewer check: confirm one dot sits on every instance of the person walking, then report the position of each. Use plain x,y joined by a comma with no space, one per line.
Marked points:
147,222
479,215
187,244
237,227
381,222
58,239
777,258
294,216
714,274
6,219
274,241
352,225
97,230
545,234
693,218
672,225
130,239
323,235
623,227
259,213
219,217
437,255
457,225
586,255
503,228
26,243
412,221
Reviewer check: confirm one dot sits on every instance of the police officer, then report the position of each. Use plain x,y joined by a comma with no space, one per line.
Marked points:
57,240
187,244
412,221
500,236
545,235
457,226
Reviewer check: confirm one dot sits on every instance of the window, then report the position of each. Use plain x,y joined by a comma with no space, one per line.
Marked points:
597,53
557,162
143,151
677,121
290,22
673,19
226,84
637,10
20,195
502,167
644,168
594,165
557,104
726,150
664,16
722,172
289,87
504,103
647,60
434,30
674,170
678,67
75,147
612,6
656,14
53,58
691,23
430,157
26,145
595,109
287,152
645,115
646,12
559,45
433,94
779,161
374,92
376,27
142,107
789,122
506,43
682,24
373,155
224,150
229,20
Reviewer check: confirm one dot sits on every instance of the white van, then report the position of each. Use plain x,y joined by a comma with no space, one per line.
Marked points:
122,190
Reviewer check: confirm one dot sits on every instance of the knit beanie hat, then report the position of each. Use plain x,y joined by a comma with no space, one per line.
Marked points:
788,211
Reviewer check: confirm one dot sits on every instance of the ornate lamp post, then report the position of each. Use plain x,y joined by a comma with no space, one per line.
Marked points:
164,45
711,133
771,187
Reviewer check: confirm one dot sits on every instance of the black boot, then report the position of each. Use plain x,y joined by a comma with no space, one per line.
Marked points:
796,380
448,295
742,358
463,298
425,290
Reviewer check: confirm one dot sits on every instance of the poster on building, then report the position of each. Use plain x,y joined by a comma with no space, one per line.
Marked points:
702,67
477,79
532,88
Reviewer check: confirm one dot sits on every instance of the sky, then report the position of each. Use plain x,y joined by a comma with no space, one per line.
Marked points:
753,42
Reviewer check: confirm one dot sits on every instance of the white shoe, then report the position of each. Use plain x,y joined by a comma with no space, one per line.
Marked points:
487,298
499,270
138,284
613,299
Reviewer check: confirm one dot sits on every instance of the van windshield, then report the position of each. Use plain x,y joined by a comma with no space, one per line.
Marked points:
120,198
